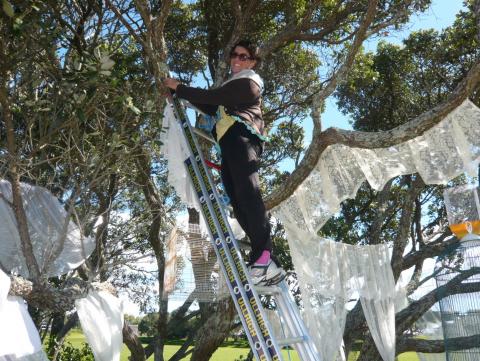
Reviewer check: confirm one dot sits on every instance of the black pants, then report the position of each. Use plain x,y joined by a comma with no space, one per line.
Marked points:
240,153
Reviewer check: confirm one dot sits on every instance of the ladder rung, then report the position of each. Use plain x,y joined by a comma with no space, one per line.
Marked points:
268,290
203,134
290,341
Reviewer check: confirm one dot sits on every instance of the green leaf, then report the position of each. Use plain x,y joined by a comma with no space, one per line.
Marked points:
8,8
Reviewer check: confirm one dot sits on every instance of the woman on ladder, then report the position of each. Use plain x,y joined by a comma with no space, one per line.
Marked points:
239,130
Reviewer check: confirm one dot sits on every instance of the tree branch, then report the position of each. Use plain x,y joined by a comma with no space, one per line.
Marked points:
14,176
401,238
415,310
406,344
370,140
131,339
125,23
296,30
317,147
430,250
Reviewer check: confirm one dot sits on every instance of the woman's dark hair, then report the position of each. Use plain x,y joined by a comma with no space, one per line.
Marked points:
250,46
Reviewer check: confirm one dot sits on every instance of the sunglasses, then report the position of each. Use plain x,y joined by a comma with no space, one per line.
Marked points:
241,57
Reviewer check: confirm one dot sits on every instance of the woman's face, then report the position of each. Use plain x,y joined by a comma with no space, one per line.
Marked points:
240,60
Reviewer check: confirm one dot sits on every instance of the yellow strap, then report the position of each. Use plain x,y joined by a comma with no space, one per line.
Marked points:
225,122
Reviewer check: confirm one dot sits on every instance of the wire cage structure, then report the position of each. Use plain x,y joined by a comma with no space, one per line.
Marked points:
461,312
192,267
460,270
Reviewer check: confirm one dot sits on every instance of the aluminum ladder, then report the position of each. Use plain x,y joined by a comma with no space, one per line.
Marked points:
265,346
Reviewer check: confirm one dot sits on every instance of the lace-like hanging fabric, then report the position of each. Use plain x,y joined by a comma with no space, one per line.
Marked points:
445,151
101,318
330,272
55,250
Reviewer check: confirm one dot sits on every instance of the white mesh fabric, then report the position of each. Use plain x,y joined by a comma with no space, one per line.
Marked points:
56,253
331,273
101,318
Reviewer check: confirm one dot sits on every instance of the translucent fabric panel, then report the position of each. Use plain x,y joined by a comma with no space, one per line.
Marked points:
331,314
462,204
330,273
18,334
380,316
58,244
443,152
175,150
101,318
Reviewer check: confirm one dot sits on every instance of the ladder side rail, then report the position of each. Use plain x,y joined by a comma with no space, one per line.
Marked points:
292,317
247,317
252,320
232,285
252,296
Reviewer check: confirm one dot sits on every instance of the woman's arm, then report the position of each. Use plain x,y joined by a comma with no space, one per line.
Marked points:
235,92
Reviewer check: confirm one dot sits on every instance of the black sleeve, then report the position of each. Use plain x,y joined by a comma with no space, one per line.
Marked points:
206,108
235,92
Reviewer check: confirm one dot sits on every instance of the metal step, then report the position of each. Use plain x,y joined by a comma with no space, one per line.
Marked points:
268,290
290,341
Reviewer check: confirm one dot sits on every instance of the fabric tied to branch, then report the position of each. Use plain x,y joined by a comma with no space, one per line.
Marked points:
58,247
101,318
445,151
330,272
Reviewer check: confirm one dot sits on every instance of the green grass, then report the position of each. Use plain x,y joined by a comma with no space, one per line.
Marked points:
229,352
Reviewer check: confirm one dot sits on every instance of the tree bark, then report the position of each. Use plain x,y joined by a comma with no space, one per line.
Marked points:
406,344
14,177
131,339
214,331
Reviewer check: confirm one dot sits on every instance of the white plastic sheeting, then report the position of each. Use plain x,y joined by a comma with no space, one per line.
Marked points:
175,149
101,318
18,334
447,150
56,252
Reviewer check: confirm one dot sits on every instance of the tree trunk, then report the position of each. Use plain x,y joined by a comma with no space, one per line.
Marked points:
369,351
130,338
214,331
